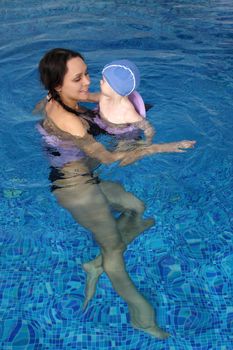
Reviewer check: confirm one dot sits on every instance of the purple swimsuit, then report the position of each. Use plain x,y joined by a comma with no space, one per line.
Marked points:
60,152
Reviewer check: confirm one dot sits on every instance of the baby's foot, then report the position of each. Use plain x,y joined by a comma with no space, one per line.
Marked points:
93,274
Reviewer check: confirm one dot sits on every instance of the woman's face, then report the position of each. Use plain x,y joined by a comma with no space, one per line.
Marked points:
76,81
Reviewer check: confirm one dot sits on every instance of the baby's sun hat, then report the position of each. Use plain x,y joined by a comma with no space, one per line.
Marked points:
122,75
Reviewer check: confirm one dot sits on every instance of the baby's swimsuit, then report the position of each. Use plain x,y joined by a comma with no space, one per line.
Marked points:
130,129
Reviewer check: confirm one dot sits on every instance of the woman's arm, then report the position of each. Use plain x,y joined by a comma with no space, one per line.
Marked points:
76,128
132,116
148,130
93,97
97,151
177,147
40,106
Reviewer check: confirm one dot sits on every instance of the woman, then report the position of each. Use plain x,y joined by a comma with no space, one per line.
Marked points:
64,74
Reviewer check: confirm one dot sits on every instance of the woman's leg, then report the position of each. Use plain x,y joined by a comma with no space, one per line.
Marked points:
90,208
130,224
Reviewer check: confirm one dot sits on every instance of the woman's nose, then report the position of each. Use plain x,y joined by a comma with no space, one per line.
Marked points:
86,80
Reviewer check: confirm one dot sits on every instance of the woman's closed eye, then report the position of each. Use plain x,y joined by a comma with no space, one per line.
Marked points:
78,78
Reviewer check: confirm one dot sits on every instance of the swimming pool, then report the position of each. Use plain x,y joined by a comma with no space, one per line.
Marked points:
183,265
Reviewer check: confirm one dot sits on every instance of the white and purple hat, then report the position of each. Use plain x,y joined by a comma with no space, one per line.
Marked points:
122,75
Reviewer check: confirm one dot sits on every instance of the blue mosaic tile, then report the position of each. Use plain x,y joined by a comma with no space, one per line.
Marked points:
184,264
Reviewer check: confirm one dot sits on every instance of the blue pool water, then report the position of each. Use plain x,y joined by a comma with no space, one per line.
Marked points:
183,265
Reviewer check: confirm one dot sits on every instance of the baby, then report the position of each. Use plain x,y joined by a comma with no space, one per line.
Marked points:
121,108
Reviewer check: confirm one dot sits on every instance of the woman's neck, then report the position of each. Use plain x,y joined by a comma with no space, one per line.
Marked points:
70,103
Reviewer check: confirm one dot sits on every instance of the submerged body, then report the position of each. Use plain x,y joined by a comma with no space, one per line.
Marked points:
90,201
64,74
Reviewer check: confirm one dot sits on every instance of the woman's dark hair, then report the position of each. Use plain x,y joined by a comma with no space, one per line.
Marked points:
52,69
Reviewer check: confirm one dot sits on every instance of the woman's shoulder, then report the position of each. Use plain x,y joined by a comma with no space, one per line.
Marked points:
70,123
65,120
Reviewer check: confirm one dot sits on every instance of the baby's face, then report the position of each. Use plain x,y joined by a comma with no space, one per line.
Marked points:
106,88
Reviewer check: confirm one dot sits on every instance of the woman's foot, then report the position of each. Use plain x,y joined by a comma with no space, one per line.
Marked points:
155,331
93,274
142,317
132,226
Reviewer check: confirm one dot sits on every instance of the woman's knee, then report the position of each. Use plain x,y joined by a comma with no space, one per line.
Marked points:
138,206
117,195
113,259
112,248
113,256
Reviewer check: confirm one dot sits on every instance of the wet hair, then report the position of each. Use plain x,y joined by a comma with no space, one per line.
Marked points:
53,67
52,70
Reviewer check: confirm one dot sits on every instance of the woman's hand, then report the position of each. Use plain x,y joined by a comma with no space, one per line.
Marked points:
92,97
177,147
